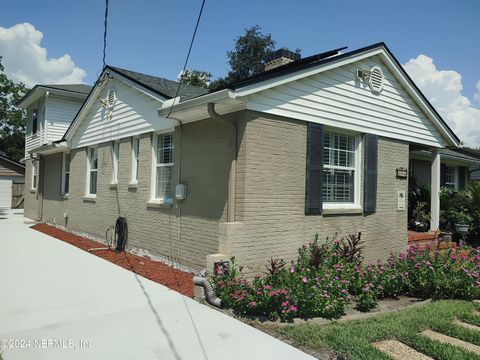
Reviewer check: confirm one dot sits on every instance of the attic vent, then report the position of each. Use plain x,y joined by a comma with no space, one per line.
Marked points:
112,97
376,79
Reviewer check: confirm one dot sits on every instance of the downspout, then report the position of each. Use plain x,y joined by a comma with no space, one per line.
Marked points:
41,172
45,136
232,179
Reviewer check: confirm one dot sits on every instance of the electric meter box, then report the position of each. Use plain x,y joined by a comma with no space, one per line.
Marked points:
181,192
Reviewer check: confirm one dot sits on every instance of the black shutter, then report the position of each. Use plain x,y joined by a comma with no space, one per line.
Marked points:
443,174
314,175
370,173
462,177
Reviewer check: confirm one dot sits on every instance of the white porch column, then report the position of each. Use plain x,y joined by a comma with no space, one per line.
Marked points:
435,199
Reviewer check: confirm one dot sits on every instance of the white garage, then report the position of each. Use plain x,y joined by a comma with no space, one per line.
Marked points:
12,177
5,194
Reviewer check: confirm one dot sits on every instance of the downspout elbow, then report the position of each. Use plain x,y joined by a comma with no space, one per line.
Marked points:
208,289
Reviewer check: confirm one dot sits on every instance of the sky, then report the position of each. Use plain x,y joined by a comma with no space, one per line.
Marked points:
438,41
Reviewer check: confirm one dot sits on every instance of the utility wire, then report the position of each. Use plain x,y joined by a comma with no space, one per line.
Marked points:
105,32
188,56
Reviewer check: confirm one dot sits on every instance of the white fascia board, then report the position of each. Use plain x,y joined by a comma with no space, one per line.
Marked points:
51,148
192,103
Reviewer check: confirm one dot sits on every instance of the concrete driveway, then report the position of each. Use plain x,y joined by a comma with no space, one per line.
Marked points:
58,302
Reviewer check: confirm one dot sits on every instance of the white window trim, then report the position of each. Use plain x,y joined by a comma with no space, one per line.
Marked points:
87,187
153,179
34,169
358,171
115,162
134,173
455,176
64,193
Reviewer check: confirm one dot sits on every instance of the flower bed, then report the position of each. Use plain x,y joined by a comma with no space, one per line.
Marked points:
326,277
153,270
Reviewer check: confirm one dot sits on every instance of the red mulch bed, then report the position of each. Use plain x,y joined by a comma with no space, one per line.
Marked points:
154,270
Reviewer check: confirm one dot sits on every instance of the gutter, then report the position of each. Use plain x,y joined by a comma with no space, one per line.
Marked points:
232,179
49,148
185,105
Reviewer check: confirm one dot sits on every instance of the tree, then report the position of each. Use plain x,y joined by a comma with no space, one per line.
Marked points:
248,57
195,77
12,119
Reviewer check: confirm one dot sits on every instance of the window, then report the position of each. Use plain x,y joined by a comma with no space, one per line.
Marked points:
115,161
163,157
450,177
92,171
339,168
66,174
34,121
135,159
34,174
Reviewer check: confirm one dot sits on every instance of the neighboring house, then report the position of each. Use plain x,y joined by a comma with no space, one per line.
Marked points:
50,111
457,167
11,172
314,145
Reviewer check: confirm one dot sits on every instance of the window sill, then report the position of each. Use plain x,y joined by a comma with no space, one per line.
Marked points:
152,204
90,198
133,186
33,191
113,186
347,210
65,196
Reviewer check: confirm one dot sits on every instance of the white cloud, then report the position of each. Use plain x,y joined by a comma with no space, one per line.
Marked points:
477,93
443,88
26,60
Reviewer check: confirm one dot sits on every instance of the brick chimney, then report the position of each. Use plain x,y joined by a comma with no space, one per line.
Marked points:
280,57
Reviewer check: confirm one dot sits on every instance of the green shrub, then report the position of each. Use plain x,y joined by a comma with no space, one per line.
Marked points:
327,276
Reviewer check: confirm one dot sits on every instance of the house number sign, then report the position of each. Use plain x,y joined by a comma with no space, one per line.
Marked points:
402,173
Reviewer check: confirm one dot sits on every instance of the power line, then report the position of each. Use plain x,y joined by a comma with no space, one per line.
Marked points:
105,32
188,56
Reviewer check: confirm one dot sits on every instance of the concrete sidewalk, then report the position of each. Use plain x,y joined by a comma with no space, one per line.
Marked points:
59,302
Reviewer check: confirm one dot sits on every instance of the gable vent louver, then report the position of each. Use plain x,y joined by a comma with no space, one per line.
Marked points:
376,79
111,98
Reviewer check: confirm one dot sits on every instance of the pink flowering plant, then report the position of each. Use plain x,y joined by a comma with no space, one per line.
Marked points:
327,276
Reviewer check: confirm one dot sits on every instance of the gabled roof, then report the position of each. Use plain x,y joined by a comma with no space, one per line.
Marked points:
155,86
12,164
161,86
74,90
80,88
313,65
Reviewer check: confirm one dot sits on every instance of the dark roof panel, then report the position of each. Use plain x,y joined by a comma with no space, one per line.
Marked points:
161,86
79,88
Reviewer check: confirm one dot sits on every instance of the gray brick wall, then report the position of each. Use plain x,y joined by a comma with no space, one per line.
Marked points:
186,232
271,197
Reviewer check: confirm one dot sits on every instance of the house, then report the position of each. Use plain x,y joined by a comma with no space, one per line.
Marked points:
314,145
457,168
11,172
50,111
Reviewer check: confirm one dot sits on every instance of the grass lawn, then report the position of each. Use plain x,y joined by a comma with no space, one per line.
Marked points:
352,339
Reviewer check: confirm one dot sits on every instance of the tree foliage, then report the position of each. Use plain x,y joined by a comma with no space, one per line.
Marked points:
195,77
12,119
248,57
